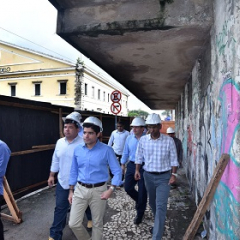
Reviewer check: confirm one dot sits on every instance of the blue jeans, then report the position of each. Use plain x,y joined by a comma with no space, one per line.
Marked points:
140,196
158,190
60,213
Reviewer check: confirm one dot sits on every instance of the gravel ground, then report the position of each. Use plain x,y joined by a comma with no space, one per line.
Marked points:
38,210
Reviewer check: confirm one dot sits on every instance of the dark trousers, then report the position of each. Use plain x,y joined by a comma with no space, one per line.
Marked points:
1,225
140,196
60,213
119,160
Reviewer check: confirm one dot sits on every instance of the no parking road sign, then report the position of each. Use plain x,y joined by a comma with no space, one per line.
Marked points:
116,108
116,96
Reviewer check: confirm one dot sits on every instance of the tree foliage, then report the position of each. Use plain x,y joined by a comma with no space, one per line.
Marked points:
137,113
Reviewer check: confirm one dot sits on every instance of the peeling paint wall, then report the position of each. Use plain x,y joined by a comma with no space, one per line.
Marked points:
209,122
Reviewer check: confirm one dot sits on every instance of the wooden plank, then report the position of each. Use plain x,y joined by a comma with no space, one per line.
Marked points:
31,151
30,187
12,206
207,197
44,146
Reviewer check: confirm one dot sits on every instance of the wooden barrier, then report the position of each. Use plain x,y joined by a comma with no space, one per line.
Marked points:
207,197
16,215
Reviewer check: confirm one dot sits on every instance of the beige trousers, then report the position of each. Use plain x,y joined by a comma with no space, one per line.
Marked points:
81,199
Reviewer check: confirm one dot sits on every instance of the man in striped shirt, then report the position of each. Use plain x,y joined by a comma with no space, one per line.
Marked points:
158,152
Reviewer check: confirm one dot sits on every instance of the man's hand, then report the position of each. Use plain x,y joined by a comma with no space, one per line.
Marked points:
172,180
70,196
137,175
123,168
107,194
51,181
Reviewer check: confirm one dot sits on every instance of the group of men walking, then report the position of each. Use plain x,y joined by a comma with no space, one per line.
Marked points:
83,163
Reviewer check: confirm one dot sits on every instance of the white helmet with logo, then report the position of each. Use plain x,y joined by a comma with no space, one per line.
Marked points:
153,118
170,130
137,121
75,116
95,121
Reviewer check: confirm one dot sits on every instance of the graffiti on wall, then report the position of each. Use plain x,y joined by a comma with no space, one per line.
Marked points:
227,197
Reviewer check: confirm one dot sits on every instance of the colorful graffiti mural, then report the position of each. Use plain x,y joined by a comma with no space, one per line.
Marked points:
227,197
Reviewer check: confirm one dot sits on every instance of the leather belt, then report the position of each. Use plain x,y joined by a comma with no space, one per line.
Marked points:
92,185
158,173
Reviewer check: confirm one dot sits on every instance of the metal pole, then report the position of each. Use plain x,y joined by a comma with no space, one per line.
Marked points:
115,121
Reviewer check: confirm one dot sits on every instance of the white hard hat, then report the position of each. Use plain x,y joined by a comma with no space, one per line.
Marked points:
95,121
137,121
75,116
170,130
153,118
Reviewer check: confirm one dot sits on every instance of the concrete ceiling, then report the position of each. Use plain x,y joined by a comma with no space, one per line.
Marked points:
149,46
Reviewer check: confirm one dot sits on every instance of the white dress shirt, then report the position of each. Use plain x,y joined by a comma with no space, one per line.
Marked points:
159,155
62,159
118,139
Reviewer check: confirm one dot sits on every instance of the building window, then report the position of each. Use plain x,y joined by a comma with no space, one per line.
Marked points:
99,94
62,87
37,88
86,88
104,96
108,97
13,89
93,89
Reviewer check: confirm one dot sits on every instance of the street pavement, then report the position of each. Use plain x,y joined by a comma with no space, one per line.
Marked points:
38,211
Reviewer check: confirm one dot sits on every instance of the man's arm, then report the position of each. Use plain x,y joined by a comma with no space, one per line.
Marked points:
110,141
125,155
138,160
51,179
4,158
54,167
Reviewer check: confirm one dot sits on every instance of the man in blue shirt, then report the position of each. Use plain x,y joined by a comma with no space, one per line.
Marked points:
89,172
140,196
4,158
61,164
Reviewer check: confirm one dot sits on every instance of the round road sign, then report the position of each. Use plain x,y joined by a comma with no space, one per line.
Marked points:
116,96
116,108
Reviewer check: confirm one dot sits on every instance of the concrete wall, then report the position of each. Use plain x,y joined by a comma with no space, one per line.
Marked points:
208,121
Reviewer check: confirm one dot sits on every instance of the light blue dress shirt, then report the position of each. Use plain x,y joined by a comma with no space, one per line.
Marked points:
5,154
91,165
130,148
62,159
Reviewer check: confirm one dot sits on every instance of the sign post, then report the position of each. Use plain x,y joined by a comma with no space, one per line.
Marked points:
116,106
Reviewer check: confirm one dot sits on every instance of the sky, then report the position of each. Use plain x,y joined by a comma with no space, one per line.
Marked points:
32,24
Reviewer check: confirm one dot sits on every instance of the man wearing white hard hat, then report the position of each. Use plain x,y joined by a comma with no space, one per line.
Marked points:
90,173
140,196
158,153
61,164
178,143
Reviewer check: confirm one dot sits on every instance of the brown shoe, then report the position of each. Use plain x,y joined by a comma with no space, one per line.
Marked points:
50,238
89,224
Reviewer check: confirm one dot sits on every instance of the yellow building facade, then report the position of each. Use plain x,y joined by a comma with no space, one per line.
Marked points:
36,76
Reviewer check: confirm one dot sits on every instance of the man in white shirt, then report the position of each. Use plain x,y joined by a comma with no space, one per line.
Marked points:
117,141
61,164
158,152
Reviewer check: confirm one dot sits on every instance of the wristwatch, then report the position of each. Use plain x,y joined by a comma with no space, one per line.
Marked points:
113,188
174,174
